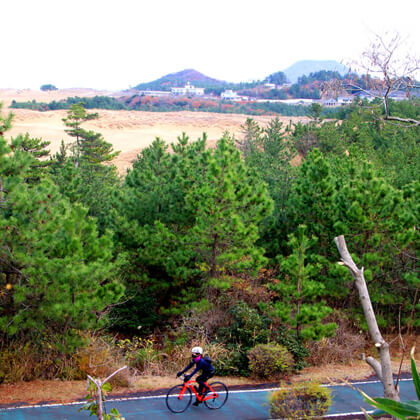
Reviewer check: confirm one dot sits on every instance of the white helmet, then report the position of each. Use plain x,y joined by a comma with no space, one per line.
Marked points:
197,350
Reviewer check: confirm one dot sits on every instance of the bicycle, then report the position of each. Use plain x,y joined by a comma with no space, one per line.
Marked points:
179,397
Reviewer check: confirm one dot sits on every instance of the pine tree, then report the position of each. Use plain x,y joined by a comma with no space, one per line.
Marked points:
312,200
380,221
251,141
56,275
36,148
228,206
92,180
5,122
300,291
76,116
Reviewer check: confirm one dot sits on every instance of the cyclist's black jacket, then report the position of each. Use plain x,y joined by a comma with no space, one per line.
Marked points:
203,364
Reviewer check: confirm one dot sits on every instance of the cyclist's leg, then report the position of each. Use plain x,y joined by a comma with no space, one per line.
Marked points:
200,380
203,379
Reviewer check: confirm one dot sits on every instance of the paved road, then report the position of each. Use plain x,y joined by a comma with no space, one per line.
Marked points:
243,405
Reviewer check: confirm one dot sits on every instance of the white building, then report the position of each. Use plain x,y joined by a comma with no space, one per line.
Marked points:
330,102
344,100
187,90
154,93
270,85
230,95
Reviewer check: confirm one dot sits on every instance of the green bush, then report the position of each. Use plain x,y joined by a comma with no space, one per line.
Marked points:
270,361
300,401
247,328
288,339
235,363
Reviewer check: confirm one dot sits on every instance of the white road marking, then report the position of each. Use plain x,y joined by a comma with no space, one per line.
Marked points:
164,396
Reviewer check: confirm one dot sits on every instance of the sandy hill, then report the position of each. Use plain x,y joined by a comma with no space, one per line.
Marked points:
128,131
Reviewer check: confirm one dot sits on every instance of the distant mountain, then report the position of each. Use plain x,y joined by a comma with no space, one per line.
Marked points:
179,79
305,67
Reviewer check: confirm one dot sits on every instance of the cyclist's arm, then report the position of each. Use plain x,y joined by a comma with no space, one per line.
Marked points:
194,372
187,368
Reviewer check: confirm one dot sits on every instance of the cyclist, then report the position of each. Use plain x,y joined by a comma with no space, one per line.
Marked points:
203,364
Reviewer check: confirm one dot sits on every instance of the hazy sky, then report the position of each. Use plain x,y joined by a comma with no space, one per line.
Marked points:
115,44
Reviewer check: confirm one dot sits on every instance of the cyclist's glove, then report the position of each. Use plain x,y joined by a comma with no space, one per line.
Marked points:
178,374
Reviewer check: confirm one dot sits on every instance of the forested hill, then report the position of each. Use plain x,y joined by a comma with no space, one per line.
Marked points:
180,79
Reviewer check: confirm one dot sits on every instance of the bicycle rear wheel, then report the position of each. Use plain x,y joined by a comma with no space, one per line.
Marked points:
176,402
218,398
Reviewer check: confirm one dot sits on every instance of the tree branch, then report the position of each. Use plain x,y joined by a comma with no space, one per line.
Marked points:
406,120
384,368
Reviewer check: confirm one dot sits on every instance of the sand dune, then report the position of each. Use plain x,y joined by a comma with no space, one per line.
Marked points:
128,131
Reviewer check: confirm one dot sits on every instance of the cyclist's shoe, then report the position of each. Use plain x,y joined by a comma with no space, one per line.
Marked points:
196,403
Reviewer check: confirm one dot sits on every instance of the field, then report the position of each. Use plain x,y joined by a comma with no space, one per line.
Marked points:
128,131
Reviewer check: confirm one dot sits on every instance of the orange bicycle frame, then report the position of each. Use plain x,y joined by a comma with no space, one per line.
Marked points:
189,384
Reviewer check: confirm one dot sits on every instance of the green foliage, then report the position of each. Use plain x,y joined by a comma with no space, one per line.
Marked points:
278,78
247,329
300,401
57,273
311,201
194,215
85,175
234,363
269,361
36,148
96,102
299,304
269,152
228,205
314,111
381,224
5,122
287,338
48,87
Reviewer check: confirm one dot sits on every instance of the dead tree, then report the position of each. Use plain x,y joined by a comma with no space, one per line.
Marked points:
383,369
99,384
388,70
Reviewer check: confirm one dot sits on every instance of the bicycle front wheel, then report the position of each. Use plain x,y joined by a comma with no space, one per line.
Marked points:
178,400
218,397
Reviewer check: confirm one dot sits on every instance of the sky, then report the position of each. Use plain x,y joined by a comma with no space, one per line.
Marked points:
113,45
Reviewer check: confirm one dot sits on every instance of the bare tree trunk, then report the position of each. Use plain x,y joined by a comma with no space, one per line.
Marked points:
99,385
383,369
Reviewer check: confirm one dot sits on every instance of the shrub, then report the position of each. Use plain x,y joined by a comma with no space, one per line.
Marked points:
300,401
26,361
101,357
288,339
142,354
247,328
270,361
345,347
233,361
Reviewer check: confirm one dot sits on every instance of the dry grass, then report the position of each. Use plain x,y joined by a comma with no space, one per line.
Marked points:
68,391
128,131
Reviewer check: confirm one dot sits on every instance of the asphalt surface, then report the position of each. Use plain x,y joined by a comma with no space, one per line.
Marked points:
244,405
